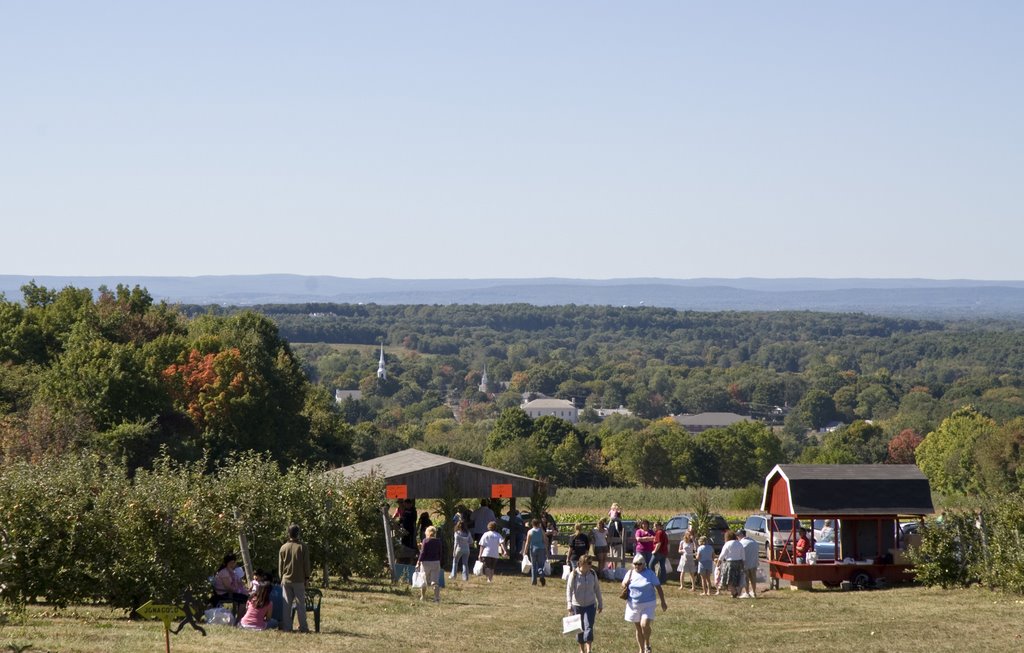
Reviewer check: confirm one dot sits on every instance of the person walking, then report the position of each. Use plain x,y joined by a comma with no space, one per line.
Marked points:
516,532
463,542
429,563
730,564
660,552
491,547
641,602
482,516
751,554
579,544
293,569
583,597
536,551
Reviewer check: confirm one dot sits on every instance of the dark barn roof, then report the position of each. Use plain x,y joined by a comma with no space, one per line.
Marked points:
424,474
847,490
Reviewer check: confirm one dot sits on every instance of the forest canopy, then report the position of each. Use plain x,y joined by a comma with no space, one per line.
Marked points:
113,371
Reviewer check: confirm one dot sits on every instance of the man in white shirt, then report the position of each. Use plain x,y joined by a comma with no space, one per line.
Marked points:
481,517
750,563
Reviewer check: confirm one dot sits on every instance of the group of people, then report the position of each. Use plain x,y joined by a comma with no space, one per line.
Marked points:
490,543
736,565
293,571
642,586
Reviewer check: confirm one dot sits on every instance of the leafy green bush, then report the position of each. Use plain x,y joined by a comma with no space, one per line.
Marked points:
949,551
1001,559
974,546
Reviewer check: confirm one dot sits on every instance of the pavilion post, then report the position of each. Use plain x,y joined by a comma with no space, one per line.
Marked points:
388,540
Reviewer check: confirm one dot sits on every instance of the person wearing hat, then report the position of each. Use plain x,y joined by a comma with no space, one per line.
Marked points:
644,593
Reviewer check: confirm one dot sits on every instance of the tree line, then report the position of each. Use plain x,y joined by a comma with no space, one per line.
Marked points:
113,371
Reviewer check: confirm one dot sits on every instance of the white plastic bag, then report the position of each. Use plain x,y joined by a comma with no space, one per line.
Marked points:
573,624
220,616
419,579
668,565
565,572
478,568
547,567
526,566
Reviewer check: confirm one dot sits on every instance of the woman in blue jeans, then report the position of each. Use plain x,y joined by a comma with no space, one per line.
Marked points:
537,550
583,597
463,541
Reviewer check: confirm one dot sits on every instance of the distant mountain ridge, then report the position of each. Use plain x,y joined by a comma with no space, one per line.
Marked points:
957,298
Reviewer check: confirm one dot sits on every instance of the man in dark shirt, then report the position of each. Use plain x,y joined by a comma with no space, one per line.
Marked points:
293,567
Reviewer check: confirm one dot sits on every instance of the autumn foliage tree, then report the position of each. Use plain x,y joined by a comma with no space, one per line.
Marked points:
204,386
902,447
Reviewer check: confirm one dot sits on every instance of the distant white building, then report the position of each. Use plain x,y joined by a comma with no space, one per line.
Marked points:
381,372
483,381
554,407
704,421
608,412
342,395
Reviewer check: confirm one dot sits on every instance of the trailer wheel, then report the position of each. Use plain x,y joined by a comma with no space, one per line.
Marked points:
861,580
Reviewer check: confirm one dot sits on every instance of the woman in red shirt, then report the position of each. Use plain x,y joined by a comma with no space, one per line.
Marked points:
660,553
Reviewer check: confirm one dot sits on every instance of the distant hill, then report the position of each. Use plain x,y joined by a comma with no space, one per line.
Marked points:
960,298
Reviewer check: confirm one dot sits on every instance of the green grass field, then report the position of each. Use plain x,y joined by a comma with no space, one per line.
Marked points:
512,615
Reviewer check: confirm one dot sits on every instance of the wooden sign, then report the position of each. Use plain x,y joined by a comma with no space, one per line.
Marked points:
501,491
396,491
165,613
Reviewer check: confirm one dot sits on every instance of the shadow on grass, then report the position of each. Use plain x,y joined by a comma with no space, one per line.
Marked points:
371,586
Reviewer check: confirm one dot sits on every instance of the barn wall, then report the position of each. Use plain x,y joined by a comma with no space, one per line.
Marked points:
778,492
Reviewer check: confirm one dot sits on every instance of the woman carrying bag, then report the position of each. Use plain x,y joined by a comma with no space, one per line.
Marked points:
641,589
583,597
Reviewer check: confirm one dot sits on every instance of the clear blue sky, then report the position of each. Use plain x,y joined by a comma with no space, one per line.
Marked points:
483,139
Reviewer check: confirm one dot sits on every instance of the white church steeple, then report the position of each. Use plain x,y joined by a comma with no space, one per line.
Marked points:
483,380
381,372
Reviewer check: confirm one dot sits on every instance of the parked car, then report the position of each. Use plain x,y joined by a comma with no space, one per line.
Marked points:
908,528
676,526
826,551
759,530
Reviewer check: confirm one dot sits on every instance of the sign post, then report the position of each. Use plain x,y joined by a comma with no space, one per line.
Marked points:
165,613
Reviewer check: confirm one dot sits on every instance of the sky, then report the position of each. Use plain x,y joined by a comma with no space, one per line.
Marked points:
513,140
